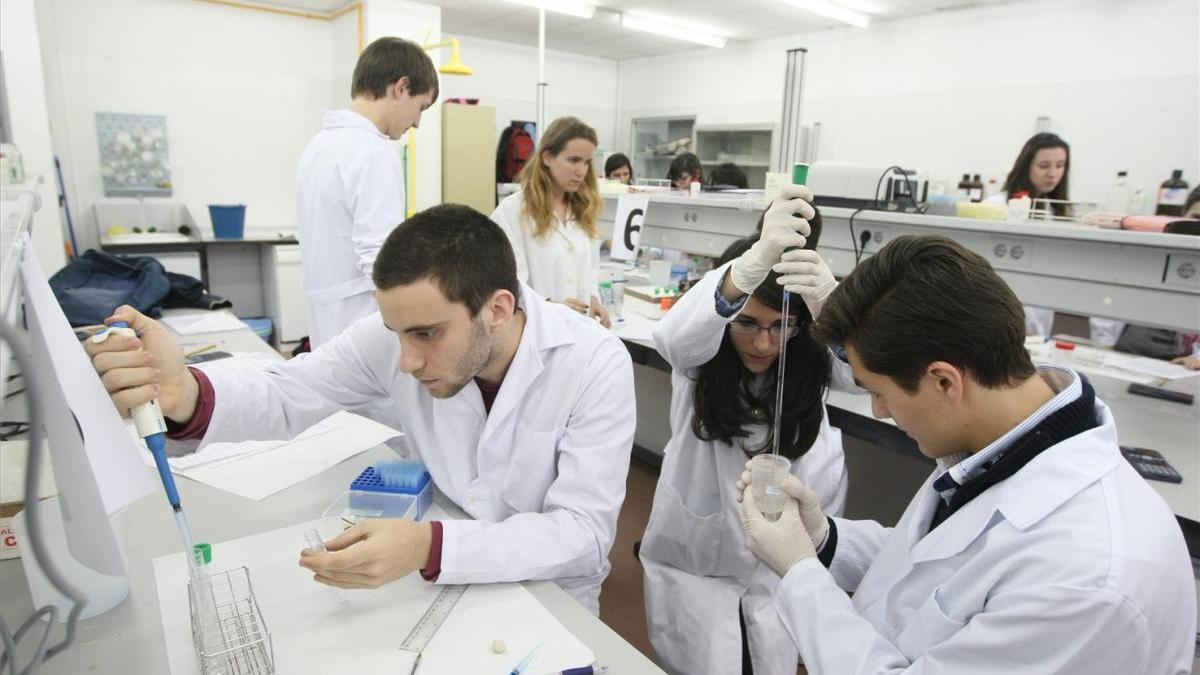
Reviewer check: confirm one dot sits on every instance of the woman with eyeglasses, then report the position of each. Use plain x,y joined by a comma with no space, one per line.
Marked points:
708,600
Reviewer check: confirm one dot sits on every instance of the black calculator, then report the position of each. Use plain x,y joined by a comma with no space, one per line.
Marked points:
1151,464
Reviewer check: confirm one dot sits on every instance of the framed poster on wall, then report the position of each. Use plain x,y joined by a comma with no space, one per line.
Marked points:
133,155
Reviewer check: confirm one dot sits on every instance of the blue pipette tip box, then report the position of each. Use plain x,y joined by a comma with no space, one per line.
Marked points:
369,496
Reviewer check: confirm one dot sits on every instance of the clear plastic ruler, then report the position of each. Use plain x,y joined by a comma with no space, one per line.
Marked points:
429,623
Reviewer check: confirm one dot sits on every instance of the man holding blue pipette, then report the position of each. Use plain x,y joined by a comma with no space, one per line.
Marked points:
522,410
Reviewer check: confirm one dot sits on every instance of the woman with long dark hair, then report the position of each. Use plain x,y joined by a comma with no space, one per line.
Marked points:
1040,172
708,600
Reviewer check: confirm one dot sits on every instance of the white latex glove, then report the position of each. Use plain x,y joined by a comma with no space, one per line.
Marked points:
781,230
804,272
780,544
811,515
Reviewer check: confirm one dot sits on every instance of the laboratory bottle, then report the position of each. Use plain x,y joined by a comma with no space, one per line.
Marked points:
976,189
1137,203
991,188
1172,195
1116,200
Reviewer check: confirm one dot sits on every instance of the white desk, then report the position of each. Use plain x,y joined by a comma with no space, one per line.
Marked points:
129,639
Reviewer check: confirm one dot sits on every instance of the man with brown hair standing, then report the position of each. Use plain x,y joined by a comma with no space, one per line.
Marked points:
350,185
1032,548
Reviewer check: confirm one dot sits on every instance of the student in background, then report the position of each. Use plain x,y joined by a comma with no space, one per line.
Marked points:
551,221
1041,171
350,186
684,169
722,339
617,167
728,175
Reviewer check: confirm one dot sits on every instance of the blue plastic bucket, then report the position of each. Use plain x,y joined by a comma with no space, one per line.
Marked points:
228,220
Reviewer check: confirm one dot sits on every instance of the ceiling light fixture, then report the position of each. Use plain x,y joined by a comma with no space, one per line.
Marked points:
867,6
837,12
670,28
570,7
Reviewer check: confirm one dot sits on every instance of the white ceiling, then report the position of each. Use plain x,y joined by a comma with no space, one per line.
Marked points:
603,36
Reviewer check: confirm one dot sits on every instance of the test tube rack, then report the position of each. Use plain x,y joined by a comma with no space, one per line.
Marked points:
239,643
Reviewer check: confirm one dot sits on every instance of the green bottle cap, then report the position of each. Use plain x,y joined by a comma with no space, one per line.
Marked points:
205,551
800,174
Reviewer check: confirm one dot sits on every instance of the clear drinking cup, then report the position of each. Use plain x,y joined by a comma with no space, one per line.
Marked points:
767,473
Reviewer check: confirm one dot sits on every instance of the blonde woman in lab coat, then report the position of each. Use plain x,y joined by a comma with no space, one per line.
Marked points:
708,600
551,222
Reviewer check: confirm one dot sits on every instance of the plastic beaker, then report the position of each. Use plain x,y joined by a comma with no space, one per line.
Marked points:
767,472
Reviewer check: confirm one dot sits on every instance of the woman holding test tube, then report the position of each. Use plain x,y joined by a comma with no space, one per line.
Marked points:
708,600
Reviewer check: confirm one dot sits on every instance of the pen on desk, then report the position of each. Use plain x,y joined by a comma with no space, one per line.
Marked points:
585,670
200,350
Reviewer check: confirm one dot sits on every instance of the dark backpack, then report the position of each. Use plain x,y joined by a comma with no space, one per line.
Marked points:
515,148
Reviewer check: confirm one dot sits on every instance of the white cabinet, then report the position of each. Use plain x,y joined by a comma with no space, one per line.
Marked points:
656,141
283,281
748,146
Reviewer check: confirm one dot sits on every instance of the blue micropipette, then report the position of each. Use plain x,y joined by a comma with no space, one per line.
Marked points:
151,426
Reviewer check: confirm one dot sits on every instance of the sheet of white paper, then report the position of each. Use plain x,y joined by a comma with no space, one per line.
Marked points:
1147,366
203,322
1092,361
635,327
262,474
215,453
627,225
241,361
317,629
13,458
118,472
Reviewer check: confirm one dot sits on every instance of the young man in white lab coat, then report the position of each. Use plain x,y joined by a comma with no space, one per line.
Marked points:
522,410
1032,548
350,184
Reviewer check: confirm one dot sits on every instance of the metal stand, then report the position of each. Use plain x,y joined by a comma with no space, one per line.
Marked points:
239,643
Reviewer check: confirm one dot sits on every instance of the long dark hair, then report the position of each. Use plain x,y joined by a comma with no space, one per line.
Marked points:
1018,178
724,397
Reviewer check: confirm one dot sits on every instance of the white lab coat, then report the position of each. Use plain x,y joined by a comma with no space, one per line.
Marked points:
697,567
1072,565
349,197
543,474
563,264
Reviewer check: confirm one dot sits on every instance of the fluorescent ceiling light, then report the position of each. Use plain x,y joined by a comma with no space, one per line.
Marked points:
580,9
833,11
868,6
671,28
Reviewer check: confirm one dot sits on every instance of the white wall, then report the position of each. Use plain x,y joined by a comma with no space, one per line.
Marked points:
506,78
957,92
416,22
24,79
242,91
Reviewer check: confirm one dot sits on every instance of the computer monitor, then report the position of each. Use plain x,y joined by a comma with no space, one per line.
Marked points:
96,464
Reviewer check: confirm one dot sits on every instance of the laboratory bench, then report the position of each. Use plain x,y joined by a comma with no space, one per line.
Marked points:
1170,428
129,638
1145,278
